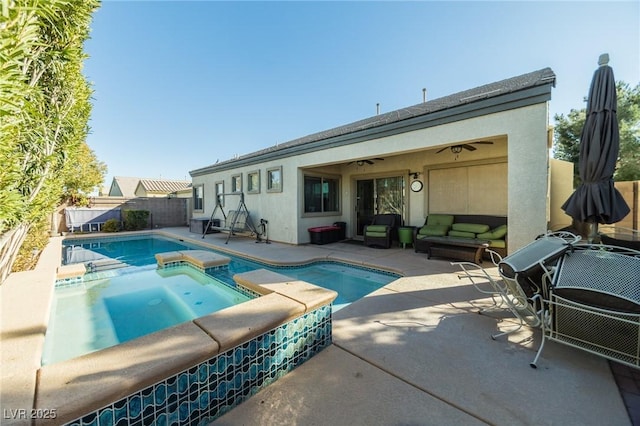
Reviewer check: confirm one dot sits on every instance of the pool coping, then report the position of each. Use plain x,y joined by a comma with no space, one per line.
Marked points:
44,391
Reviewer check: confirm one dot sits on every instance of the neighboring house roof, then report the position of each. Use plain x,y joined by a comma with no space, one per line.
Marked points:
164,185
526,89
128,186
122,186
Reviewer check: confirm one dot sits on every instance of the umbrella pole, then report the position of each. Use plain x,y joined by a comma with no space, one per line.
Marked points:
593,233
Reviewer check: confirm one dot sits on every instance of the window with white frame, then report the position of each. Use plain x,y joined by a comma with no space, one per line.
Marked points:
321,194
253,182
274,179
220,192
236,183
198,198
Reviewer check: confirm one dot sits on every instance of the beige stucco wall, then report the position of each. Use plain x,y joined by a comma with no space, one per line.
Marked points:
560,189
629,191
521,136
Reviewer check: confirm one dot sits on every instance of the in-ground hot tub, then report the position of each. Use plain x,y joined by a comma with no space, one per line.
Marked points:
196,371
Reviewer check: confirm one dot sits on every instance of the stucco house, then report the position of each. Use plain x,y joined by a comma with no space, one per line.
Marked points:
481,151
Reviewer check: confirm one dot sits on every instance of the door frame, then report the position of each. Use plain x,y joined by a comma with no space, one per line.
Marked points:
354,185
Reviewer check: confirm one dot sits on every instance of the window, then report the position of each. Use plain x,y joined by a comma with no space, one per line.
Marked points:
219,193
236,183
198,198
321,194
274,179
253,182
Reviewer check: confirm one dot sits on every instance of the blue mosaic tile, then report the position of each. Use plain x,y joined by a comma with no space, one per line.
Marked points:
203,374
172,386
183,411
105,417
160,393
162,420
120,411
90,420
208,390
135,407
183,382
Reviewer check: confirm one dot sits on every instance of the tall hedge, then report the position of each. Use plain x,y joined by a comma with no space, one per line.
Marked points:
44,110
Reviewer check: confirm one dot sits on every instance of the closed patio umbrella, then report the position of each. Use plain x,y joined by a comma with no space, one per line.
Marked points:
596,200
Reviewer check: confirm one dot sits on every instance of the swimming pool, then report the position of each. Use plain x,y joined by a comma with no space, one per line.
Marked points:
125,296
111,253
198,369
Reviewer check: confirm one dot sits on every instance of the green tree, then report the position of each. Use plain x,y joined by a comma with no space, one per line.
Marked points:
81,177
566,143
44,112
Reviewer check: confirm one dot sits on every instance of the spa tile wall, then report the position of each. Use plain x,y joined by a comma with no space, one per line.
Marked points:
206,391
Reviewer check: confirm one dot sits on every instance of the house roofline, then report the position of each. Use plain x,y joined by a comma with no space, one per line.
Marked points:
475,103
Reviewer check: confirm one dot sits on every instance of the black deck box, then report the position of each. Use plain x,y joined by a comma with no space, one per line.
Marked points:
197,226
324,234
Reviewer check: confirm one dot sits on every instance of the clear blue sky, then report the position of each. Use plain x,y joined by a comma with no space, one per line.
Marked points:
178,84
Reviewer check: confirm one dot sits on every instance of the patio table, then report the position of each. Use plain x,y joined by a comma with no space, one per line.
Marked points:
469,249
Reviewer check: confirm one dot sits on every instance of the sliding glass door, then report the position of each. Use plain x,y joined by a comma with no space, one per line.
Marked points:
378,196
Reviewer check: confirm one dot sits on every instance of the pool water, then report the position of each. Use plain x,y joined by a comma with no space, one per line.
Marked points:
105,312
132,251
126,296
351,282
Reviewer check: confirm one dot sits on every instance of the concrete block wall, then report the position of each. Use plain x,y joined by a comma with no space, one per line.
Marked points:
165,212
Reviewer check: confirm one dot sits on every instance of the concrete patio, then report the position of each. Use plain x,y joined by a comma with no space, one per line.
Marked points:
418,352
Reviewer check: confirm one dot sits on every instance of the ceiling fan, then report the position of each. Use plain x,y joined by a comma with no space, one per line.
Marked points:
367,161
457,149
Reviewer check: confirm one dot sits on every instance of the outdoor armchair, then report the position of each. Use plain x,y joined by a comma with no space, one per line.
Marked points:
383,230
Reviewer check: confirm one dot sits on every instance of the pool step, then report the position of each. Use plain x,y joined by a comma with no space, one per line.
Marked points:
104,265
201,259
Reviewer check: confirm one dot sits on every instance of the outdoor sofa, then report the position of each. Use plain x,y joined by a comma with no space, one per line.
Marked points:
458,232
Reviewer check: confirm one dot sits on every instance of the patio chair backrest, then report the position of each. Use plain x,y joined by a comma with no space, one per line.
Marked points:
530,264
389,219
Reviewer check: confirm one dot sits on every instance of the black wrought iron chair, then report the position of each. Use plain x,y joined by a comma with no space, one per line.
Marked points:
594,303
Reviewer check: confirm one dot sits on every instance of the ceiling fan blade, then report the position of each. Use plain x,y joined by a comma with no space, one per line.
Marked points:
350,163
379,159
484,142
469,147
440,150
368,161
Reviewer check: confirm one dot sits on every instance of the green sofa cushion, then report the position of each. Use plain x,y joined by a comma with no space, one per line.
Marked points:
498,243
476,228
461,234
376,228
494,234
434,230
440,219
376,234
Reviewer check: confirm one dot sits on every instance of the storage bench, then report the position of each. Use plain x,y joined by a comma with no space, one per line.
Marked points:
325,234
198,225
